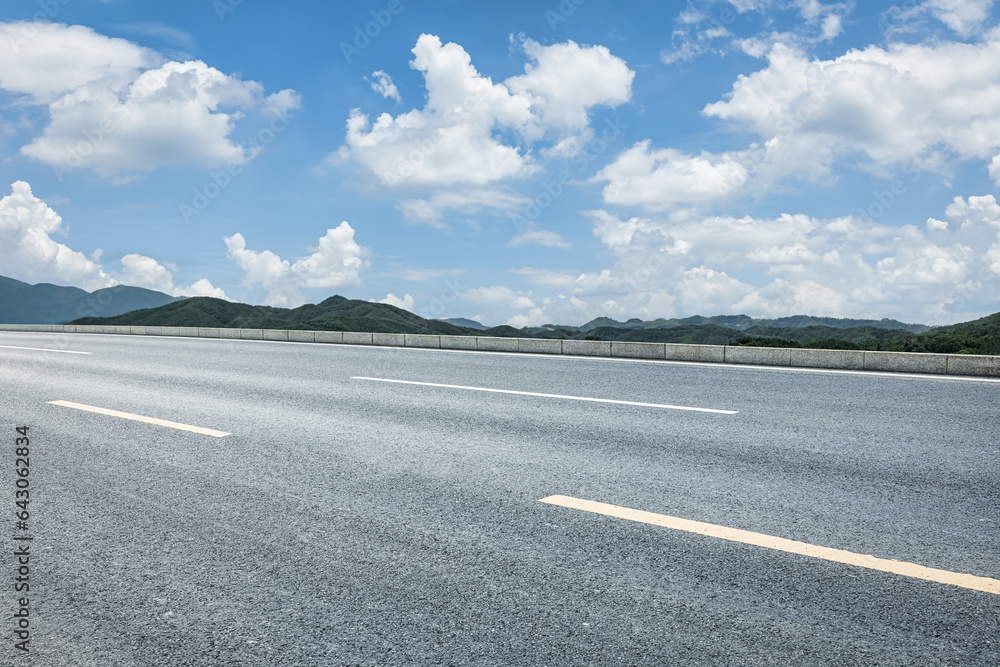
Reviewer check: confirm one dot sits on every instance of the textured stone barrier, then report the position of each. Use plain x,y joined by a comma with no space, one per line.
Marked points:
855,360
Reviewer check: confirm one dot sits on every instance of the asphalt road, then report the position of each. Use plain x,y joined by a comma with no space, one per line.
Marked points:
355,522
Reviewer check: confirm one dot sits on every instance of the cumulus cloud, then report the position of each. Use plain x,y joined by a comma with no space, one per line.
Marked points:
995,169
800,264
927,106
336,262
459,136
141,271
406,302
499,298
384,86
117,108
44,61
939,272
663,179
281,103
29,253
909,104
564,81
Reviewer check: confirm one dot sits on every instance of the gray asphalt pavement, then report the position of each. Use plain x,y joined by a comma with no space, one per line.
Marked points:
351,522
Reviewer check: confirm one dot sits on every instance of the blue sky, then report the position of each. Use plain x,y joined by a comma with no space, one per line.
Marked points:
519,162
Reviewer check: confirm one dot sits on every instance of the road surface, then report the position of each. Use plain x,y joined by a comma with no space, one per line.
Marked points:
349,520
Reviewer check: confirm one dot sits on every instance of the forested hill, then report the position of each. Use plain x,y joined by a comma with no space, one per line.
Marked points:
334,314
340,314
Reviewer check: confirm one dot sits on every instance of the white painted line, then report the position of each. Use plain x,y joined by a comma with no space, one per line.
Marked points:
531,393
674,362
140,418
40,349
984,584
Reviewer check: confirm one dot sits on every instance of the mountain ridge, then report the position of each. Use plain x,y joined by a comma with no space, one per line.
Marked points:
338,313
45,303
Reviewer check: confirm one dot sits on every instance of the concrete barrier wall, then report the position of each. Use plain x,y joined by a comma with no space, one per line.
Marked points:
972,364
759,356
421,340
845,359
628,350
907,362
390,339
895,362
540,345
587,348
681,352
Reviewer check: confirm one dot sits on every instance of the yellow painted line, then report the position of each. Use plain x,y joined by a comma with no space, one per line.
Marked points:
984,584
140,418
532,393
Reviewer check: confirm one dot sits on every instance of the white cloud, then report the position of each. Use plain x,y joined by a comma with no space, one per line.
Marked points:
117,108
566,80
336,262
432,211
406,303
912,107
846,267
29,253
44,61
142,271
706,27
281,103
705,290
964,17
384,86
455,138
203,288
994,169
905,105
539,237
662,179
533,318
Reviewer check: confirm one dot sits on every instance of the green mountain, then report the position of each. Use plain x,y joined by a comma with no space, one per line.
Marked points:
464,322
980,336
333,314
340,314
745,322
22,303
